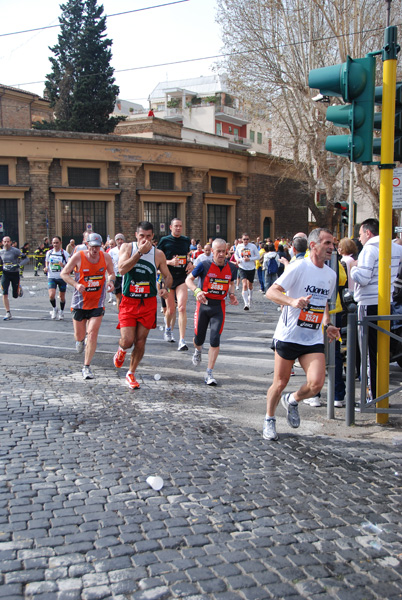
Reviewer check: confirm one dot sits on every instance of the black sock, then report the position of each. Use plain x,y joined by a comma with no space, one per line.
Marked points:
53,303
62,305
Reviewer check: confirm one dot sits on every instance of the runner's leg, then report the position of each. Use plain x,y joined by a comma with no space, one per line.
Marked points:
140,338
92,338
314,367
282,370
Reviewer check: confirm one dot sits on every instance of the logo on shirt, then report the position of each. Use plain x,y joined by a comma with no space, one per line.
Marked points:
312,289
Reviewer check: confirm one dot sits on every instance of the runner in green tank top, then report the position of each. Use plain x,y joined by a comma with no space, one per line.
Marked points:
138,264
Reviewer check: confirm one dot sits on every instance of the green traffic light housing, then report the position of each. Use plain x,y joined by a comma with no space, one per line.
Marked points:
398,122
354,82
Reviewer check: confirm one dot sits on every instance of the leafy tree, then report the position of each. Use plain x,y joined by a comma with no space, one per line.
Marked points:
271,46
81,85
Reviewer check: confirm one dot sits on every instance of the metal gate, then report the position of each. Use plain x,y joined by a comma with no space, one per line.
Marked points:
9,218
77,214
160,214
217,222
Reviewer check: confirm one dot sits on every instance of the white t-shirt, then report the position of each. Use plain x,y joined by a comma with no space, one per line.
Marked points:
55,262
303,278
247,251
114,255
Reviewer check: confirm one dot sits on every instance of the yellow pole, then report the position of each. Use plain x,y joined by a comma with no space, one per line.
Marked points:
384,266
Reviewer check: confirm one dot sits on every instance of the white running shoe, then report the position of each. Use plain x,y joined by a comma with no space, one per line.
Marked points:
269,430
168,335
182,346
60,315
53,314
315,401
339,403
79,347
209,379
86,372
196,358
7,317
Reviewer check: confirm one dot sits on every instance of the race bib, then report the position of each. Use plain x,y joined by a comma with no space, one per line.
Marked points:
137,290
311,317
182,261
218,287
93,284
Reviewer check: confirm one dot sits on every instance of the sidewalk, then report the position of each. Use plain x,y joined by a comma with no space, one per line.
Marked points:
238,518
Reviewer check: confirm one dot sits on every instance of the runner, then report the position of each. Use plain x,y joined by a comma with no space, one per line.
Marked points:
217,278
308,285
176,248
87,305
138,263
246,254
114,254
54,262
10,258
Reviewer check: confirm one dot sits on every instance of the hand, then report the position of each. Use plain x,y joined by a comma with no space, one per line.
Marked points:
163,293
174,262
301,302
144,246
233,300
202,298
110,286
333,333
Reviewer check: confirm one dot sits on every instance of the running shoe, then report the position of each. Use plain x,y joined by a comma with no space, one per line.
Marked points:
246,307
53,314
269,430
86,372
20,291
182,346
292,373
292,411
7,317
118,358
339,403
196,359
131,381
209,379
315,401
60,315
79,347
168,336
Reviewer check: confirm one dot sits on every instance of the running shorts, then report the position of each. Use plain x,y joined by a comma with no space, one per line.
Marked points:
137,310
249,274
80,314
291,351
53,283
8,277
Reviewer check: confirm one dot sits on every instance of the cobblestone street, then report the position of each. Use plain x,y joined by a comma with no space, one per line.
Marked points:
238,518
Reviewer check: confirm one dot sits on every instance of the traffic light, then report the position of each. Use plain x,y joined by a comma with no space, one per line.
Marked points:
354,82
345,213
398,122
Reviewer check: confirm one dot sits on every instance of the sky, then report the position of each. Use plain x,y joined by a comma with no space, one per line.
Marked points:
179,32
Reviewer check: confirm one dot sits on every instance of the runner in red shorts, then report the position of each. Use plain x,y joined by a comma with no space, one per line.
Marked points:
138,264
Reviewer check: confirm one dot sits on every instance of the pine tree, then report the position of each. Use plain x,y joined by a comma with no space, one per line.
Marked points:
81,85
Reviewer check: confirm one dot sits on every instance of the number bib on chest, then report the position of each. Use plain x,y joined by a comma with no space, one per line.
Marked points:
311,317
93,283
218,287
140,289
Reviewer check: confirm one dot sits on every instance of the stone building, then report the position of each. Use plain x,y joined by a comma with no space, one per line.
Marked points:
63,183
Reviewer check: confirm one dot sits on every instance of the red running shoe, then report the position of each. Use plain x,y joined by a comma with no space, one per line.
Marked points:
131,381
118,358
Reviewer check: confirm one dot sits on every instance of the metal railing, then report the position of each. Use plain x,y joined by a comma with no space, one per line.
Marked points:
370,405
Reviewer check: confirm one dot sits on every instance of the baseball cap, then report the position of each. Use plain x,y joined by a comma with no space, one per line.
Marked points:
94,239
119,236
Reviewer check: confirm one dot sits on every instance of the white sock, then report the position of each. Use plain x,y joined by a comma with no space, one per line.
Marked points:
250,294
292,400
245,296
